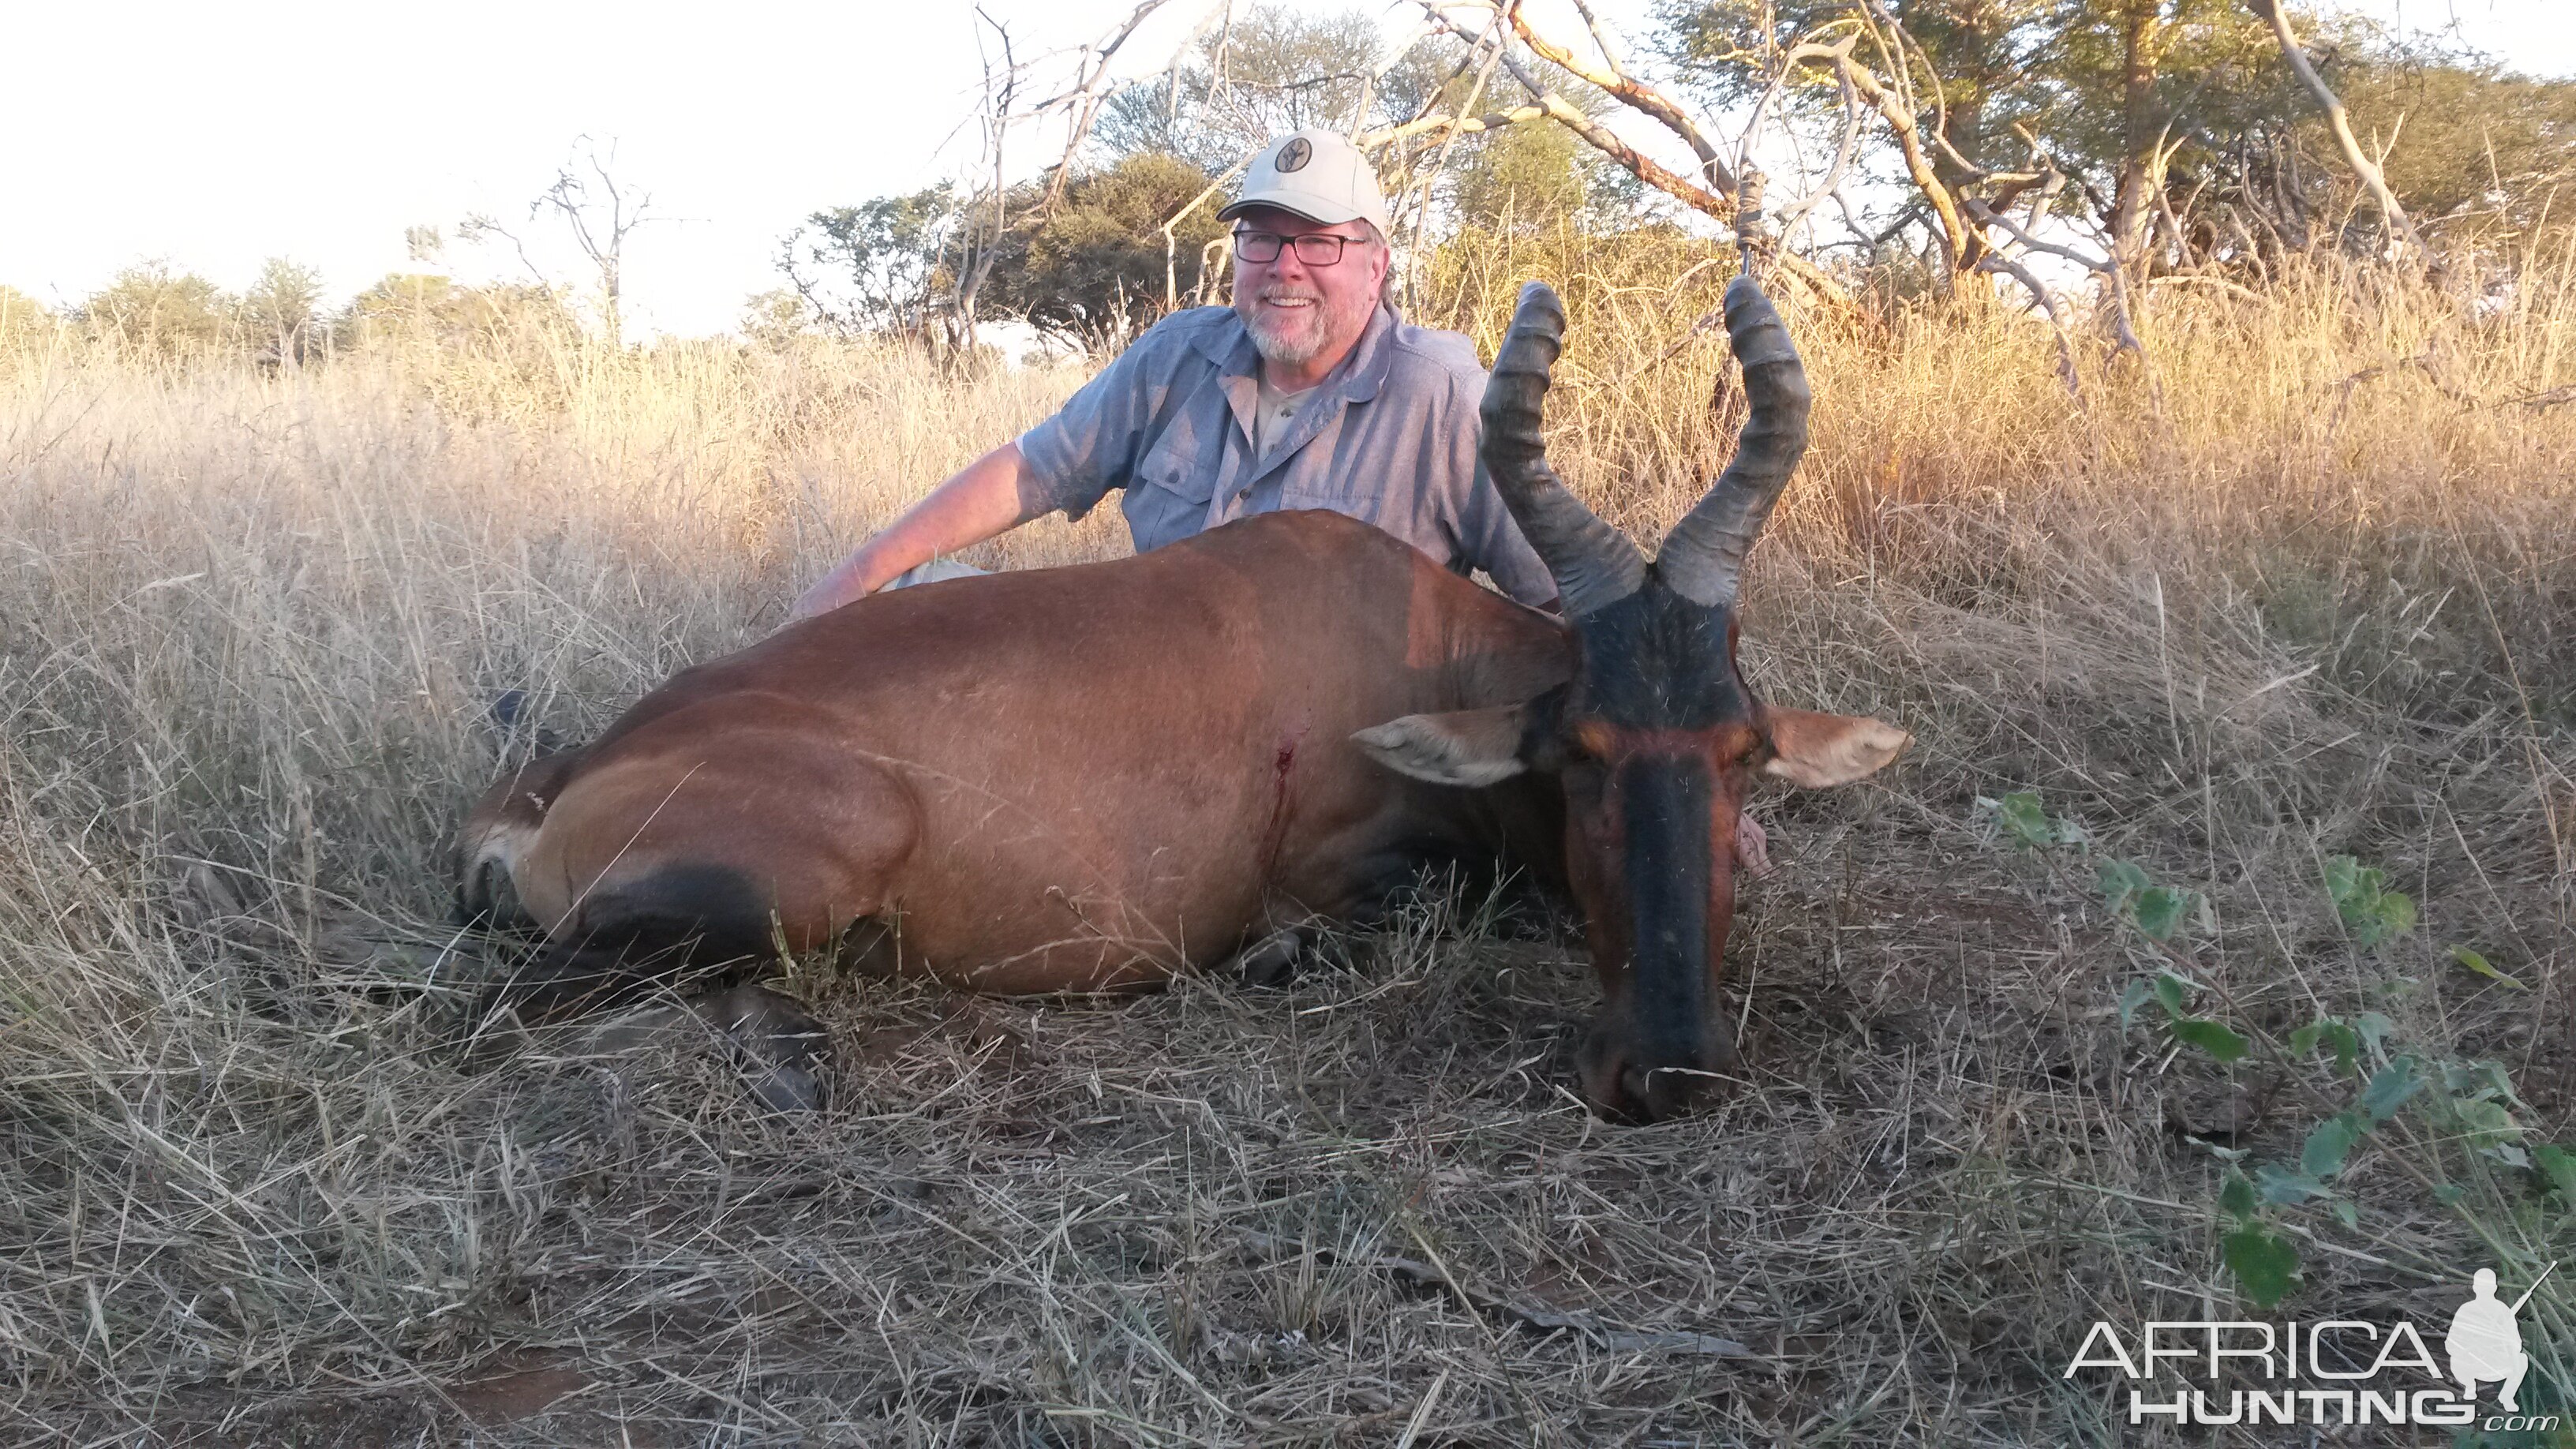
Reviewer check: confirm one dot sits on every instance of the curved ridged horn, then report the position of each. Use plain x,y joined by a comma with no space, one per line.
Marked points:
1703,557
1594,564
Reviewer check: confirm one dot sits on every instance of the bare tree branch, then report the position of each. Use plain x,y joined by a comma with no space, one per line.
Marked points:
2123,332
1794,213
1997,262
1562,111
476,226
600,211
1635,95
1713,205
1466,125
1565,113
977,253
1963,247
1090,88
2401,229
1171,243
1493,38
1984,215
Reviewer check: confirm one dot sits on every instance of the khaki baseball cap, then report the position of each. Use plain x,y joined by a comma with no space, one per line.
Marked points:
1317,174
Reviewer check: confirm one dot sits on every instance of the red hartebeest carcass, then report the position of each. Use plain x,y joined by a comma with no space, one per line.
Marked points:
1090,778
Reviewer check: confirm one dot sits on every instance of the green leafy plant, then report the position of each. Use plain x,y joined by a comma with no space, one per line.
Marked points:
2373,913
2362,1081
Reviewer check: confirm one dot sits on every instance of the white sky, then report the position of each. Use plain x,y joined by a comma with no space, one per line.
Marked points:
216,135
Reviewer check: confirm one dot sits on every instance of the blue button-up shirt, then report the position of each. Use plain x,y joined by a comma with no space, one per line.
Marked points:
1389,438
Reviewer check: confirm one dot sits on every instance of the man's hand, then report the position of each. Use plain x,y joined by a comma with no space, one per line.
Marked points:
1752,847
848,580
980,500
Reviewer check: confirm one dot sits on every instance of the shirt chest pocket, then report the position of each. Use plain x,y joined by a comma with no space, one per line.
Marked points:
1168,499
1341,469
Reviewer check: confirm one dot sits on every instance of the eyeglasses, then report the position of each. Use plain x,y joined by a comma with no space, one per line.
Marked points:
1315,248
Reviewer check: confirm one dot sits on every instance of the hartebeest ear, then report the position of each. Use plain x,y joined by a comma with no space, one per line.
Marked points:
1815,750
1470,747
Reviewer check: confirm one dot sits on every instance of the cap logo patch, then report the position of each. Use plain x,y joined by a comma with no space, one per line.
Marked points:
1295,154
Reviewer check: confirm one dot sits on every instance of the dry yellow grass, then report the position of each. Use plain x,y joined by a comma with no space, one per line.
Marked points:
2308,594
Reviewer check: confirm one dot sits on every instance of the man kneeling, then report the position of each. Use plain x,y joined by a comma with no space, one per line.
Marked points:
1309,392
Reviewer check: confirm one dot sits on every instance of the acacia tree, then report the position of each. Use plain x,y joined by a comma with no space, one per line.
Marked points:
1270,70
23,319
153,309
281,311
1119,228
1090,269
873,267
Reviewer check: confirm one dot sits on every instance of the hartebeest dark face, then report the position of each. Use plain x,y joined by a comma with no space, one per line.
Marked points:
1656,739
1658,742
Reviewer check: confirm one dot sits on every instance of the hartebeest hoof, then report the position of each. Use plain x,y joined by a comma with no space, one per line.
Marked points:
512,713
779,1048
1271,962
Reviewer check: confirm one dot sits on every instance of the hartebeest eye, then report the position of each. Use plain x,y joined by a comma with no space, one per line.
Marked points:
1588,740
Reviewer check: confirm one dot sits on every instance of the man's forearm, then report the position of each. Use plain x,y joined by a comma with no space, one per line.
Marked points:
981,500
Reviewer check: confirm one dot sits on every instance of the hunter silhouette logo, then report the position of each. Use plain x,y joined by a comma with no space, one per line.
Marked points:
2485,1341
2340,1371
1294,155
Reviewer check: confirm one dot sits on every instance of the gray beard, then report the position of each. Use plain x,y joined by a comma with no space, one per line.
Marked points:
1298,353
1281,349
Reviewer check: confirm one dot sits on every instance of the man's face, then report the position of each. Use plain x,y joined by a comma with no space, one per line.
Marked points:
1299,310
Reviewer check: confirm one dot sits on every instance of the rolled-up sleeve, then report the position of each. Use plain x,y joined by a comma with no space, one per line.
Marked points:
1090,445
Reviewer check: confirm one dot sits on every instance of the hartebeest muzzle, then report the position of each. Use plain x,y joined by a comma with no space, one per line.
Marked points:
1655,739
